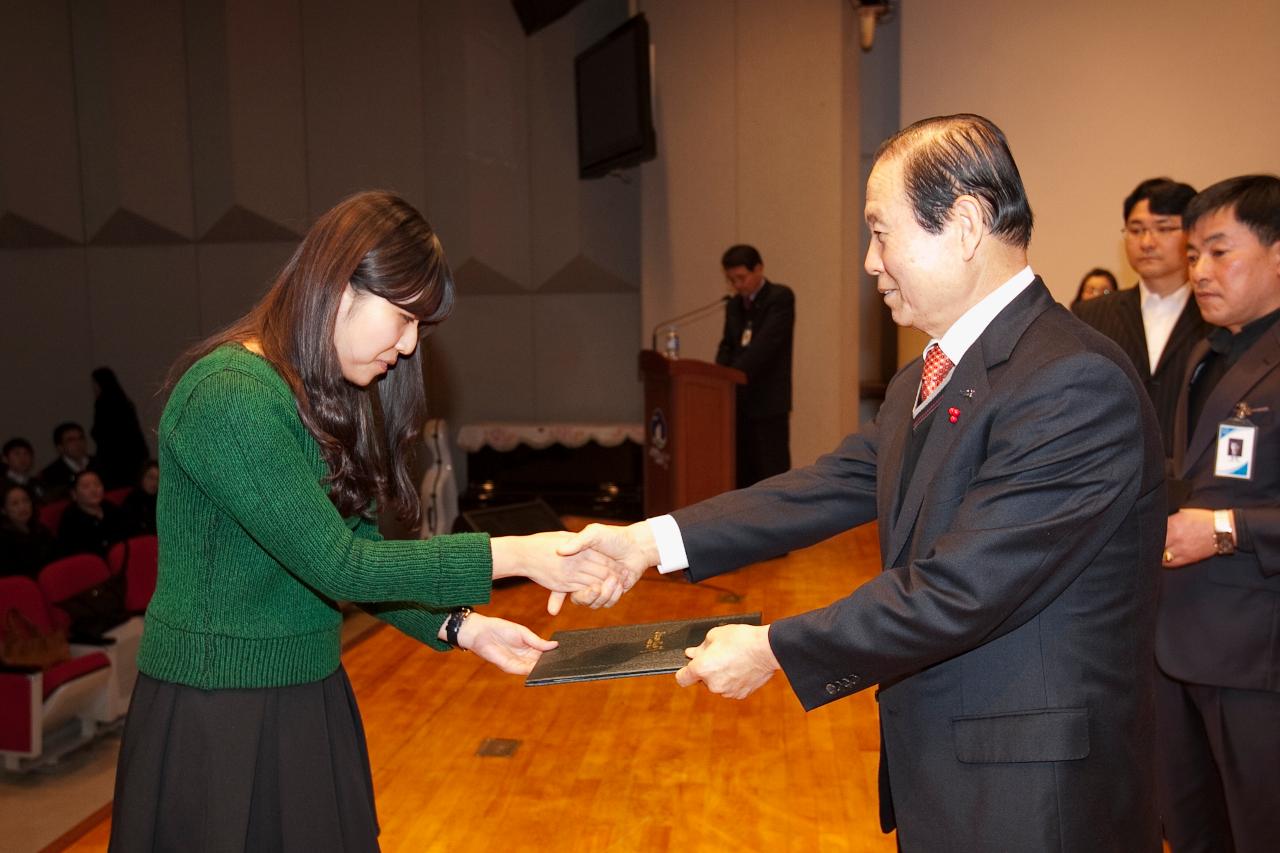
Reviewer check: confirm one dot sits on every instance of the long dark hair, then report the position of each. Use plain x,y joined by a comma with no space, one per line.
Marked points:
381,245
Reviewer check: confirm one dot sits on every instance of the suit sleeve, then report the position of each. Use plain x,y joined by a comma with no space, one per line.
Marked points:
771,338
1064,464
1258,530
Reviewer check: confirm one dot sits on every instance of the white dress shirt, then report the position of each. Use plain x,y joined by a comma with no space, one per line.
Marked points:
955,342
76,465
1159,316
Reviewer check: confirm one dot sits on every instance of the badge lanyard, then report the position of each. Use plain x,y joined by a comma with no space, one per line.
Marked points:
1237,439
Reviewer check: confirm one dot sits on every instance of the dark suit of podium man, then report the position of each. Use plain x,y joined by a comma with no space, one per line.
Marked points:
759,324
1021,511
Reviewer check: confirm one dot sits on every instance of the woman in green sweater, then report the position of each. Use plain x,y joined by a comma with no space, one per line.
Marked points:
243,732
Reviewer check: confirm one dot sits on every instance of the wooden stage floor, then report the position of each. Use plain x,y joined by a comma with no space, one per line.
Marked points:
635,764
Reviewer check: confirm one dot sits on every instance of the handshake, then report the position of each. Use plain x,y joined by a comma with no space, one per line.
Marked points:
595,567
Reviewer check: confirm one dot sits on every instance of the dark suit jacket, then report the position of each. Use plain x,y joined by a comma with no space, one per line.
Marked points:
57,479
767,359
1011,629
1119,316
81,533
1218,618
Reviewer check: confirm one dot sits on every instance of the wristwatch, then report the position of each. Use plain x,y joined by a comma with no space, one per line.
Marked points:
453,624
1224,532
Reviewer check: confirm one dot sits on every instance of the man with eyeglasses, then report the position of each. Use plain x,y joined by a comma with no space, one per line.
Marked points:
1155,323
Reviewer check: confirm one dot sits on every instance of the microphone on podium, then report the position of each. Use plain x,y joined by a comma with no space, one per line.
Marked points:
671,344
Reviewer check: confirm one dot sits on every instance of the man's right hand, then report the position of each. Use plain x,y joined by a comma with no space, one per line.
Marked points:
633,547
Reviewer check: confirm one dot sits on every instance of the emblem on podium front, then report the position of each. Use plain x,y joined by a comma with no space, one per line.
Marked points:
658,438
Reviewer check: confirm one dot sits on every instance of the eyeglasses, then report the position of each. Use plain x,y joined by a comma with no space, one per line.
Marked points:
1137,232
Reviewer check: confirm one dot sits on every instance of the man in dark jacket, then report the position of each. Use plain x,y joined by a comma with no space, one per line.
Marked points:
1156,322
73,457
1218,688
758,328
1016,473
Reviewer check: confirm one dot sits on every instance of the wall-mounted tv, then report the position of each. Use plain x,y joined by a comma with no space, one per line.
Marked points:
615,116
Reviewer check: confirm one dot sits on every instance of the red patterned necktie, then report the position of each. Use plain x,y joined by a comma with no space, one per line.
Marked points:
936,368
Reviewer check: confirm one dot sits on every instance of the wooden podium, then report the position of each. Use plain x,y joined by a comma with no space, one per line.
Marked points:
689,430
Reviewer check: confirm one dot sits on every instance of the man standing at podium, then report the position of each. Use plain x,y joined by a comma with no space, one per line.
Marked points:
758,324
1017,474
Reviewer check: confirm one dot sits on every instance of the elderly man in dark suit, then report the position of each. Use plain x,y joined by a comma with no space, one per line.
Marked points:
1156,322
1017,475
1218,630
758,328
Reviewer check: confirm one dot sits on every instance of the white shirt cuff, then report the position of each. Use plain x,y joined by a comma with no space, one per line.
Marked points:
666,534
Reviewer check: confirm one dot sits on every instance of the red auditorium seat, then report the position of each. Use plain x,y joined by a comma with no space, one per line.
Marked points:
66,578
46,713
117,496
51,514
138,558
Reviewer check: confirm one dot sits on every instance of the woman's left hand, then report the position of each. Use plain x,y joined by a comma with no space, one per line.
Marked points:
507,645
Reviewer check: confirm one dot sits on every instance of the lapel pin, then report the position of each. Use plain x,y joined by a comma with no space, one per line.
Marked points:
953,414
968,393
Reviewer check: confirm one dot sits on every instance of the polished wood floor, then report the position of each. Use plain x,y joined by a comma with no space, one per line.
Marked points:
635,764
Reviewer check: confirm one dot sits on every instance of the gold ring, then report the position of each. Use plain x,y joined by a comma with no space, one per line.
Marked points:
1168,556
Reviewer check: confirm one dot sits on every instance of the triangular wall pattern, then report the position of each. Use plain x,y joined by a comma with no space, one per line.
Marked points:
18,232
126,228
241,225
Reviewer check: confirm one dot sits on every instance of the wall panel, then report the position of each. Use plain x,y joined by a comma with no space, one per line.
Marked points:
131,100
364,100
248,120
39,151
144,312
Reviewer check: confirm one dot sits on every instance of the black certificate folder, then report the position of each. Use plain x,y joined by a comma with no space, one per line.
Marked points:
623,651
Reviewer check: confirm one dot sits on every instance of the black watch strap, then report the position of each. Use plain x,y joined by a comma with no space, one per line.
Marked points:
453,624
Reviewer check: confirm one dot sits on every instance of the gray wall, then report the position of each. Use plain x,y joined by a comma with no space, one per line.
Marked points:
757,109
158,162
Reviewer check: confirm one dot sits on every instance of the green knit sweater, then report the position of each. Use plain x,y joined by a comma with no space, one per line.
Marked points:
253,554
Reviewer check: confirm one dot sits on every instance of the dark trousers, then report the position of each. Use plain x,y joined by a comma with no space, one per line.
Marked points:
1218,767
764,448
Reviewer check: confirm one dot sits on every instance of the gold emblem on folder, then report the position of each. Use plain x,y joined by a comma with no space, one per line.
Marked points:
654,643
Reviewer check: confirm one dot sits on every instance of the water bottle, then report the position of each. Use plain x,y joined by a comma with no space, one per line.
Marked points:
671,343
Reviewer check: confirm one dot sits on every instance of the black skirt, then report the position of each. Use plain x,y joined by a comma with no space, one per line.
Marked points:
269,769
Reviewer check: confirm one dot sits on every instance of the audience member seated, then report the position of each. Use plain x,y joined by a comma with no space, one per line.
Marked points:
1097,282
121,447
90,525
140,504
19,462
73,457
25,544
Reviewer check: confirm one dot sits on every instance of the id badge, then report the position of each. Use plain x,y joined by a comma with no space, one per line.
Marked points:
1236,439
746,336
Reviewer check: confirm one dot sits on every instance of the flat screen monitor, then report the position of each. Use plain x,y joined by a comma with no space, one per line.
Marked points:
615,116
